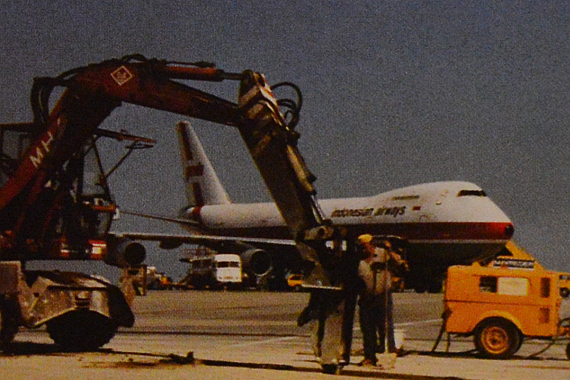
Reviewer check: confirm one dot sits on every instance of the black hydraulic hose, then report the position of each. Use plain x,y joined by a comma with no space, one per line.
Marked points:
293,106
552,341
439,336
41,92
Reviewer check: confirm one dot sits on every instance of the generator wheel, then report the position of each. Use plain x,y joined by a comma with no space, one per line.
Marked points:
497,338
8,322
82,330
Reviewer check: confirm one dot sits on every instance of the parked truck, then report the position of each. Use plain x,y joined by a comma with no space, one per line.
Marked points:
214,271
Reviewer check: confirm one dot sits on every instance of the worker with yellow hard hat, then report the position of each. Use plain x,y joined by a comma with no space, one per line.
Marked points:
375,300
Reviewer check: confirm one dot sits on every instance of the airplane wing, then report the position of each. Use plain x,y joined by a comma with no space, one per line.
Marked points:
194,236
283,253
181,221
170,241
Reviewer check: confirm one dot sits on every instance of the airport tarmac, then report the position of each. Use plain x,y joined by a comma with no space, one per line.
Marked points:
253,335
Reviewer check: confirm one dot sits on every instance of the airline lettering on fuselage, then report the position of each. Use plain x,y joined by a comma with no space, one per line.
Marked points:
394,211
368,211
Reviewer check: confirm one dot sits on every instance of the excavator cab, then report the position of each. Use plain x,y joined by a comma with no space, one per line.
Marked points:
14,140
76,209
67,220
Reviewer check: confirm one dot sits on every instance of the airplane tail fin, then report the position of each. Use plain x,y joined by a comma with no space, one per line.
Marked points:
203,186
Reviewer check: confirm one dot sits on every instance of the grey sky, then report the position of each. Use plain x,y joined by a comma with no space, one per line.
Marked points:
395,93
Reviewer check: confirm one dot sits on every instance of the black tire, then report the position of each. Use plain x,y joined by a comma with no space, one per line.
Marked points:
8,322
568,351
81,330
564,292
497,338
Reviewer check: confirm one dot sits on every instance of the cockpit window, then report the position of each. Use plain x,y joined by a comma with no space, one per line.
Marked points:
471,193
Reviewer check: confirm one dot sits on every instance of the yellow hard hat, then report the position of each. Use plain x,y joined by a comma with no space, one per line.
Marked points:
364,239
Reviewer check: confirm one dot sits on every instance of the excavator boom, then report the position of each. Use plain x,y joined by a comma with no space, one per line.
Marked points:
94,91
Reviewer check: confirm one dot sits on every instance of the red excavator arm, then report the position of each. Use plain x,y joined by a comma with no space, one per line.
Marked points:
39,183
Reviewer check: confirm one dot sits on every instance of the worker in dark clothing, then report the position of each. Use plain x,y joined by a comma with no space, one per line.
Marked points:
375,300
332,308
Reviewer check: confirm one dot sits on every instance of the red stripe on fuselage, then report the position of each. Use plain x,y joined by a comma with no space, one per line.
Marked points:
453,232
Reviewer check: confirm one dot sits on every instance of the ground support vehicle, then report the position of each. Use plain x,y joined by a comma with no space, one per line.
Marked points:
147,277
295,282
501,306
213,271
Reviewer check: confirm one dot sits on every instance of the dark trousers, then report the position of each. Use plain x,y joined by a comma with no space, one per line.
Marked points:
375,319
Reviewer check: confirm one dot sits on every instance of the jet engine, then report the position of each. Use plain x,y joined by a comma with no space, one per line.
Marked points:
124,252
257,261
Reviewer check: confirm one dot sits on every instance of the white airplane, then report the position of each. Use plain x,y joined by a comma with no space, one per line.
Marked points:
440,223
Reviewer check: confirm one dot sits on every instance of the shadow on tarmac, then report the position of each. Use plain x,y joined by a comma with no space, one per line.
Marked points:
30,348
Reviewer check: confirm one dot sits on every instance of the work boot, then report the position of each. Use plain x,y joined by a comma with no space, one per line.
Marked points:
367,363
330,369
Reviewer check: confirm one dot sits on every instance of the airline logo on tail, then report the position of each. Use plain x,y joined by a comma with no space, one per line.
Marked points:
203,186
